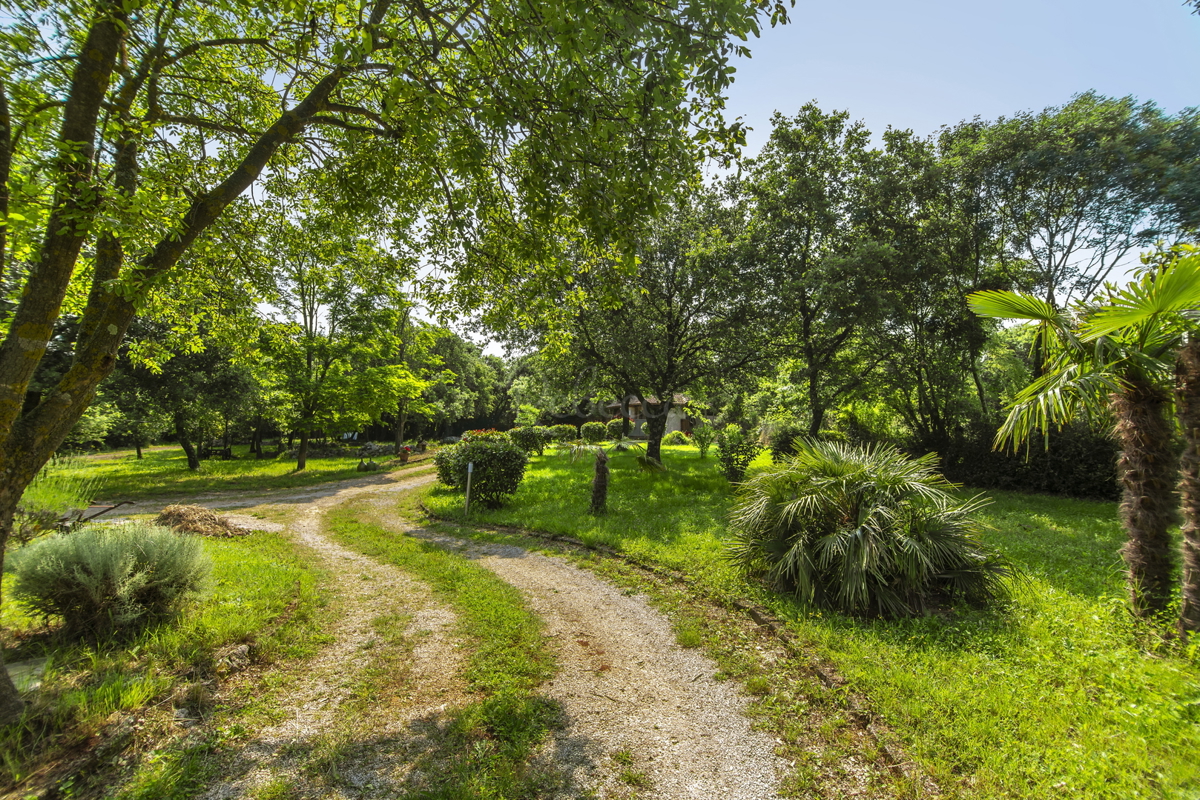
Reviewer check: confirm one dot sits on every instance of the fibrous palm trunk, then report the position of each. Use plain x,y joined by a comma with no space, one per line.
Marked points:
1187,404
1147,471
600,485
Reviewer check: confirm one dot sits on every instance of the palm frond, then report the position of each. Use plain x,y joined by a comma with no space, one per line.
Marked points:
1155,301
860,530
1063,394
1013,305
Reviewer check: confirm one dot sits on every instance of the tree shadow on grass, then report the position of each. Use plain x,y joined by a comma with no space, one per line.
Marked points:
503,746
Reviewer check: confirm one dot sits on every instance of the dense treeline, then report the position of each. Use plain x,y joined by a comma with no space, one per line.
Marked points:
823,286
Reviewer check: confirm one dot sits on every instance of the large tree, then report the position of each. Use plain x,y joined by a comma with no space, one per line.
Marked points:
695,315
128,129
809,192
336,297
1076,188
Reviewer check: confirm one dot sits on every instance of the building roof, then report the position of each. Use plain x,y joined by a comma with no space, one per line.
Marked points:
677,400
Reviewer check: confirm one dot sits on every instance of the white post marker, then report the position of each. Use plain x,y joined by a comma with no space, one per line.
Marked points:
470,469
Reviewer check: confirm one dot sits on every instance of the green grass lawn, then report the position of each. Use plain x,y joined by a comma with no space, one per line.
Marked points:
164,473
262,591
1057,694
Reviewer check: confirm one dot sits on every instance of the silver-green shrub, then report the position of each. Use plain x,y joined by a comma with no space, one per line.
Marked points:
103,578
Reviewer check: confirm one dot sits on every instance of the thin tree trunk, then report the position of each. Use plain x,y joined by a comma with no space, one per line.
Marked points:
817,408
1148,471
193,460
138,447
302,456
1188,405
600,485
401,420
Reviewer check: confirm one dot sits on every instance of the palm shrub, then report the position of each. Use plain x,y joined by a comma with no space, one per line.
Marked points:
103,578
863,530
499,469
615,429
735,450
593,432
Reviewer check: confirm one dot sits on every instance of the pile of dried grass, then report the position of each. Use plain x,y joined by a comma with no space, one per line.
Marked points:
197,519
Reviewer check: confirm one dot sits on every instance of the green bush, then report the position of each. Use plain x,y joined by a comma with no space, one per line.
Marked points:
563,433
1080,461
703,435
735,450
102,578
615,429
863,531
593,432
783,437
499,468
676,437
530,439
485,435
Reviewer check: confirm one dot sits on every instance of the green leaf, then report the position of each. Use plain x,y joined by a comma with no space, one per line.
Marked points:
1012,305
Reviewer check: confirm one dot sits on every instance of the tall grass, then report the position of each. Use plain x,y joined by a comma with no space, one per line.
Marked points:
63,485
1058,693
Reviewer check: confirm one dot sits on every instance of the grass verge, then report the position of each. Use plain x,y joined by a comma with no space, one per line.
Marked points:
1058,693
164,473
91,694
487,748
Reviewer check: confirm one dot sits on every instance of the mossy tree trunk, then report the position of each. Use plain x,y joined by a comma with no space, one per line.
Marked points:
1188,407
600,485
185,441
1147,470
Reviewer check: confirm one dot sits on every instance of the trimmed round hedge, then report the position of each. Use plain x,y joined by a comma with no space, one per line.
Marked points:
563,433
499,469
593,432
676,437
616,429
485,435
530,438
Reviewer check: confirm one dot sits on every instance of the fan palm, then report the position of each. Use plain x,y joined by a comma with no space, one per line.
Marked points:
862,530
1102,357
1166,302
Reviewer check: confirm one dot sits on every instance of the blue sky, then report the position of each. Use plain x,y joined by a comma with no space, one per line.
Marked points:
925,63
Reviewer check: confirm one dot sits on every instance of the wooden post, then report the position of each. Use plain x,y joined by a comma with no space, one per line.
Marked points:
470,469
